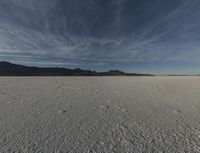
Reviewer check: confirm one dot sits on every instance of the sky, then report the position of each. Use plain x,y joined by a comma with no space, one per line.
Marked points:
145,36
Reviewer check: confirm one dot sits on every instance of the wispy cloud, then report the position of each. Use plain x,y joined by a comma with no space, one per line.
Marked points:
99,32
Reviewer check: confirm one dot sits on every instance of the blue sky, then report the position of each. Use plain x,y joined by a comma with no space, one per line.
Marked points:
147,36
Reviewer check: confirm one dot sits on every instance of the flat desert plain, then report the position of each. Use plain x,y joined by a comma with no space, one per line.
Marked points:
99,114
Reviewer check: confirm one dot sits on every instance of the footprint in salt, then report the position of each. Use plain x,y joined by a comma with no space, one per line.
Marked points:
104,107
121,109
58,87
157,89
62,111
107,107
110,100
177,111
101,107
124,110
96,107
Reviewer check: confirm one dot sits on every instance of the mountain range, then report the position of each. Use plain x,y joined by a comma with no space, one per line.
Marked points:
10,69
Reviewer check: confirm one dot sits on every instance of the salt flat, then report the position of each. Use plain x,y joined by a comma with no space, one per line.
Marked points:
99,114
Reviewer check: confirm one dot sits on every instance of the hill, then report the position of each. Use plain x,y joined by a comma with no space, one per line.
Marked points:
10,69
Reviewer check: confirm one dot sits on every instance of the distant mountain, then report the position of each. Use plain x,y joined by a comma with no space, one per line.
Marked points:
10,69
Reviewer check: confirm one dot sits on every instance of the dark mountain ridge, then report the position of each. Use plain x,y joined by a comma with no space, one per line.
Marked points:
10,69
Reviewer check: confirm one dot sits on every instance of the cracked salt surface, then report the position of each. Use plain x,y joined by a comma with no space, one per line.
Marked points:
100,114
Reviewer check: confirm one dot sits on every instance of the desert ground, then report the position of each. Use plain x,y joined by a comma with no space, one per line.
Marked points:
99,114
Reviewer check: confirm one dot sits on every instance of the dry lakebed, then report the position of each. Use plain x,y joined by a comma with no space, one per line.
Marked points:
100,114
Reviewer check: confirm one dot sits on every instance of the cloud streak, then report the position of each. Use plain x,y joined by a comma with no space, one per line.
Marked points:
100,32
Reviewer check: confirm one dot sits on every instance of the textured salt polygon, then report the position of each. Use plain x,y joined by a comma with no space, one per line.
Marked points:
99,114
